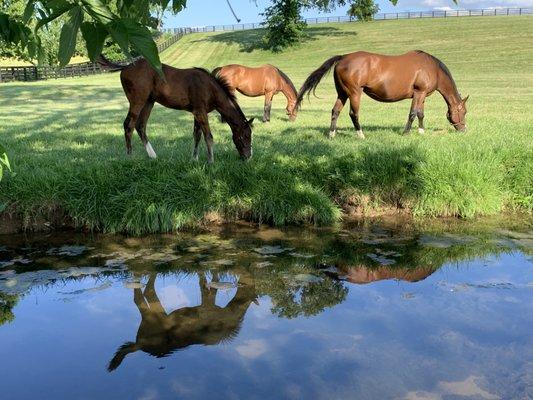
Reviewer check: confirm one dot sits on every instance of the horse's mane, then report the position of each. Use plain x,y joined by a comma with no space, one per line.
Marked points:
441,66
287,81
224,85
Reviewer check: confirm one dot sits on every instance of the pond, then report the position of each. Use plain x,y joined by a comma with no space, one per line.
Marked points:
367,311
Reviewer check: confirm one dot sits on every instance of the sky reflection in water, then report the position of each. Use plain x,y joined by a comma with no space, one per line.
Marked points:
366,313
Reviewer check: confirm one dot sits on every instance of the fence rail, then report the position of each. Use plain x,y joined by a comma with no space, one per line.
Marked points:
379,17
37,73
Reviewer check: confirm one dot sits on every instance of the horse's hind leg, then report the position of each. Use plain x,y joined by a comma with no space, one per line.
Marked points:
268,106
130,122
141,128
203,121
355,101
197,132
337,108
420,115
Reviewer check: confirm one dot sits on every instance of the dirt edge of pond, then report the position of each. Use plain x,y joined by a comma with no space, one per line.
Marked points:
54,218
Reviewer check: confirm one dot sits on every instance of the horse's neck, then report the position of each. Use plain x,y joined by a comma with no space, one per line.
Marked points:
229,112
446,87
288,92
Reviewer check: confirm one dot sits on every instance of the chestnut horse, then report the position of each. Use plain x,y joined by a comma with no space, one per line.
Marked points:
194,90
414,75
266,80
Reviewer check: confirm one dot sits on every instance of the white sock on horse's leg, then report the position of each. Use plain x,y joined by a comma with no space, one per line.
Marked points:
421,130
150,150
332,133
360,134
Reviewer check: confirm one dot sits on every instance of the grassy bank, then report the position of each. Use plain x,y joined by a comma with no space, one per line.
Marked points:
67,148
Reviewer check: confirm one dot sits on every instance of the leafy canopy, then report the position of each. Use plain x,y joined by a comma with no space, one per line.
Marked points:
126,22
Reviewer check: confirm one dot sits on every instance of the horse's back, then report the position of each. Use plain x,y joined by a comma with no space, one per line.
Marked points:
387,77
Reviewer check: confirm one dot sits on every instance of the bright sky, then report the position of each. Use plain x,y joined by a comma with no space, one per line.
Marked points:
216,12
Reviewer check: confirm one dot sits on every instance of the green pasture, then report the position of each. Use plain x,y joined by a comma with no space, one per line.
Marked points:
66,144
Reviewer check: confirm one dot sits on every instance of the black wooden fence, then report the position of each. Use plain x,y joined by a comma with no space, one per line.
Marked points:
379,17
37,73
34,73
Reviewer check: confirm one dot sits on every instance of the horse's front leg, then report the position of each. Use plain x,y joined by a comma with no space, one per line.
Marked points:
203,121
268,106
417,110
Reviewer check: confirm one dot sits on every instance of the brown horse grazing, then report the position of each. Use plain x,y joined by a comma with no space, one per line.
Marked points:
194,90
266,80
414,75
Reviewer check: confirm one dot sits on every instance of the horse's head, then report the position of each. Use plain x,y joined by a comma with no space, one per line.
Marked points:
242,138
456,115
292,110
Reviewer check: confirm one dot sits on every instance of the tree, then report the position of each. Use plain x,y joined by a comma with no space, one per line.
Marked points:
126,22
7,302
363,10
49,37
284,24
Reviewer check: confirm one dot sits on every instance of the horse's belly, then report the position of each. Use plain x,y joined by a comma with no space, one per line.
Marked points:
249,92
387,96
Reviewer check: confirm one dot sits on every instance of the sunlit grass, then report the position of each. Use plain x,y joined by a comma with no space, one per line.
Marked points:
66,142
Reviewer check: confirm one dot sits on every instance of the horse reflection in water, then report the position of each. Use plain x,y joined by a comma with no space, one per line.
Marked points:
160,334
362,274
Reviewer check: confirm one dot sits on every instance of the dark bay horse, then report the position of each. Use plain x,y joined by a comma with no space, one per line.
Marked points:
194,90
414,75
265,80
161,333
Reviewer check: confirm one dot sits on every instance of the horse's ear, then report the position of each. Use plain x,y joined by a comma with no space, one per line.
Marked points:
465,99
251,121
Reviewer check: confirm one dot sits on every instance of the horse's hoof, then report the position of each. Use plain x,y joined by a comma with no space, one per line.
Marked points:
331,134
421,131
360,134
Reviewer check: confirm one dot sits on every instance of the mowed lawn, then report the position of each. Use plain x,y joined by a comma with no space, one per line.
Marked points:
66,144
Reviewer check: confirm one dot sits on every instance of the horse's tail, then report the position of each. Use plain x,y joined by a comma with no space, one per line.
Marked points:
121,353
313,80
109,65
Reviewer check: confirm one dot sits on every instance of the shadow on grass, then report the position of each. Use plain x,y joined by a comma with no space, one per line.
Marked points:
251,40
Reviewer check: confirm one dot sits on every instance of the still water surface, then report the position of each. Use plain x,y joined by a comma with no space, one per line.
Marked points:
366,312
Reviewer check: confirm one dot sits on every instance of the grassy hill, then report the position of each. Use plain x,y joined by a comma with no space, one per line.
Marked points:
66,143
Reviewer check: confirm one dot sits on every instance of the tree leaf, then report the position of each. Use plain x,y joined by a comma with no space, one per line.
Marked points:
99,11
69,34
126,32
28,11
59,9
94,35
178,5
3,160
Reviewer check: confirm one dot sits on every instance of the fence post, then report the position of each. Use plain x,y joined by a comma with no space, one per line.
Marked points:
520,11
